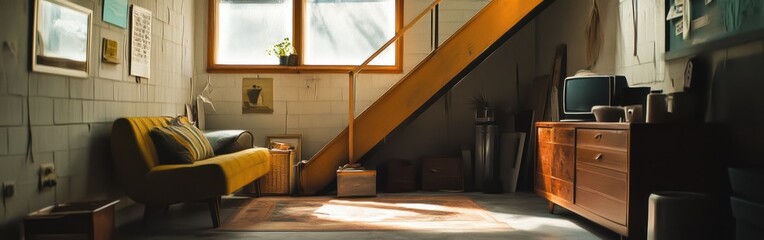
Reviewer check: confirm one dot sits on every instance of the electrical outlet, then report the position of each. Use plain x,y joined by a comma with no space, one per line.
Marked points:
9,189
47,176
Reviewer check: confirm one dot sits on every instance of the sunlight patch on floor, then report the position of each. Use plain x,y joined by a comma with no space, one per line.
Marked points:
345,211
403,215
536,223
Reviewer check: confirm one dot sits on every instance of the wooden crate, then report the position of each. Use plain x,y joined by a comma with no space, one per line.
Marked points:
356,183
279,180
83,220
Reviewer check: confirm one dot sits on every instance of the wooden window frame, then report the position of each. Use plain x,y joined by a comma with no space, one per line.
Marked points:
297,30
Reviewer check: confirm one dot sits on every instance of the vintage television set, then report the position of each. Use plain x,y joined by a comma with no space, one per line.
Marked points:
581,93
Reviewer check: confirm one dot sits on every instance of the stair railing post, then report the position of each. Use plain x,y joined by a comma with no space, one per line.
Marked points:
353,74
351,114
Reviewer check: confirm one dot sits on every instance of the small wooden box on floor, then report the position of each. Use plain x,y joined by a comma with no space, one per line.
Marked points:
86,220
401,176
442,173
280,180
356,183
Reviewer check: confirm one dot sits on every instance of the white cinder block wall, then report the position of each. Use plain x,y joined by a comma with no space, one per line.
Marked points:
71,118
316,105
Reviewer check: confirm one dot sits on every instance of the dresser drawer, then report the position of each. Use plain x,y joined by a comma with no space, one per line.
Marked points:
557,135
604,181
606,158
602,138
562,189
602,205
563,166
554,186
545,158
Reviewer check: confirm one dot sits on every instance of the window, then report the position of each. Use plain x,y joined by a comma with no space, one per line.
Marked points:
247,28
328,35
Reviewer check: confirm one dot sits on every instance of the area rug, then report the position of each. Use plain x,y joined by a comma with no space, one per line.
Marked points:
431,213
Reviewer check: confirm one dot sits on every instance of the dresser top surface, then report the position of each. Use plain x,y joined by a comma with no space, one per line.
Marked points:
598,125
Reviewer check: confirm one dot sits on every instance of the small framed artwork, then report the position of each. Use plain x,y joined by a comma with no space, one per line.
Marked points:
61,36
257,95
110,50
286,142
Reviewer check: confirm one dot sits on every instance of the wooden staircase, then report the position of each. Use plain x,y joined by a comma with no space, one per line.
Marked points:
456,57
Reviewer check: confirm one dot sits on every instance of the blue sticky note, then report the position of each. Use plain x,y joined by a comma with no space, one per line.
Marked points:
115,12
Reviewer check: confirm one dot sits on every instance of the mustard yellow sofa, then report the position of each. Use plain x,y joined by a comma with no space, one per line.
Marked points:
157,186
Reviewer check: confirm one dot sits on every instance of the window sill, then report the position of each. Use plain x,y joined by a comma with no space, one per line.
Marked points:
298,69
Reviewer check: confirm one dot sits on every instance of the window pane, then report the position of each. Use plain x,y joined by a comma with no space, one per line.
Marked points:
346,32
247,28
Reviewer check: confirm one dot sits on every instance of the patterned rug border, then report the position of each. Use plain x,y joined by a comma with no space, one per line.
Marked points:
488,223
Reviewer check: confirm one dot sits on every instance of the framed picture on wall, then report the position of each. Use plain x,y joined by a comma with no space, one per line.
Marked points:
286,142
257,95
61,38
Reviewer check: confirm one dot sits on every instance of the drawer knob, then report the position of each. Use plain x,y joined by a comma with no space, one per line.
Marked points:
598,157
598,136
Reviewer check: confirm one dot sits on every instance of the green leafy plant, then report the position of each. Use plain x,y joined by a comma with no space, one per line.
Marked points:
284,48
480,101
484,110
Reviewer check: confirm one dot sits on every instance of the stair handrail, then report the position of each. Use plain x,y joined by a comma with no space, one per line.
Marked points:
354,73
397,36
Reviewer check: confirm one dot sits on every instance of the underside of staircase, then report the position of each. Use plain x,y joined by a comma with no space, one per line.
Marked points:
456,57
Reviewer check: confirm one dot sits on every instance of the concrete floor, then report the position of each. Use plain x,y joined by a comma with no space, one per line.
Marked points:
526,213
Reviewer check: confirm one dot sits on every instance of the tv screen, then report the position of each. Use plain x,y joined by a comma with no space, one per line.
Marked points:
581,94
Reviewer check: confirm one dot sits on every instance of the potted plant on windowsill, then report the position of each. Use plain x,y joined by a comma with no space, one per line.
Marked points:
285,52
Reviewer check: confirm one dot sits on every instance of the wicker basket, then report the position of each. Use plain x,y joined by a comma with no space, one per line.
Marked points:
278,181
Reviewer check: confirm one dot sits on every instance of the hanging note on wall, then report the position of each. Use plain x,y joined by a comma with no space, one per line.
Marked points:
110,51
140,42
115,12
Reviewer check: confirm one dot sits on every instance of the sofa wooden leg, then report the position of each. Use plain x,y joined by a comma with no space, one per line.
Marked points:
257,189
214,204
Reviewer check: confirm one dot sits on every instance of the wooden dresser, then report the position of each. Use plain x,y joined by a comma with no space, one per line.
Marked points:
605,172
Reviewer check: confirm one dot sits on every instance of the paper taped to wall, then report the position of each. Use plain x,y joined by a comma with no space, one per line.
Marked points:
700,22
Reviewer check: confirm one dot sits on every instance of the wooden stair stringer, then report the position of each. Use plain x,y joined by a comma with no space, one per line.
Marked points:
469,46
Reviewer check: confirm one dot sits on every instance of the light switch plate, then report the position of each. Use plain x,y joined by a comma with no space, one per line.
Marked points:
47,176
9,189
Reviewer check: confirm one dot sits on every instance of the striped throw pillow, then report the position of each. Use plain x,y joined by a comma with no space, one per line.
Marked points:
180,143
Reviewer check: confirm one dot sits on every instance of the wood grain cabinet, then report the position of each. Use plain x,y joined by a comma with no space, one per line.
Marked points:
555,169
606,171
